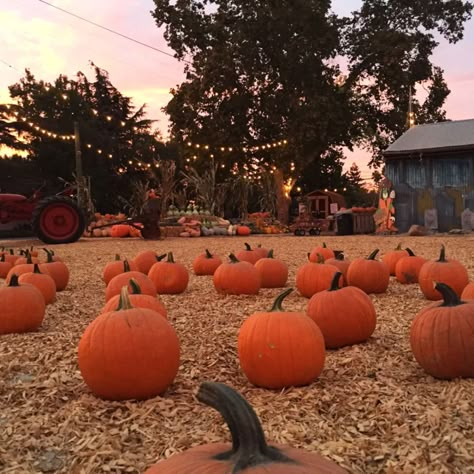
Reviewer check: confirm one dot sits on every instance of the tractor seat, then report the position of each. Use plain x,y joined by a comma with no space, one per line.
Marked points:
12,197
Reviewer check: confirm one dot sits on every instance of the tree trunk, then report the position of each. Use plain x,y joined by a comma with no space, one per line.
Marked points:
283,199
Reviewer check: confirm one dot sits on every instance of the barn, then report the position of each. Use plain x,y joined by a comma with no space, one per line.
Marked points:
431,168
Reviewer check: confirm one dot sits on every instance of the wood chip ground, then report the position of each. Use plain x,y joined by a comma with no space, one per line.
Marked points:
372,410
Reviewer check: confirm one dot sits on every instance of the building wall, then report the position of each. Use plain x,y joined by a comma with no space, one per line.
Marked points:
444,182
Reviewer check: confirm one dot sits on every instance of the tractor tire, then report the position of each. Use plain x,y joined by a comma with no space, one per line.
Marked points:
58,220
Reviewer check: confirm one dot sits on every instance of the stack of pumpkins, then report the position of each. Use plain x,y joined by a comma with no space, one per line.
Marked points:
30,285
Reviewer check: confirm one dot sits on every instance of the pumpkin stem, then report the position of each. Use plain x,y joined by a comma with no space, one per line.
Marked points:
410,252
124,301
270,254
233,258
136,290
2,258
36,269
170,257
208,254
450,297
324,245
335,282
373,255
442,255
126,266
249,447
14,280
308,255
247,246
117,257
279,299
12,252
49,258
399,246
28,258
340,256
159,258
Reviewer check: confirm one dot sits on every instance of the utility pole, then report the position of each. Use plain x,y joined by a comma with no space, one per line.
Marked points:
79,175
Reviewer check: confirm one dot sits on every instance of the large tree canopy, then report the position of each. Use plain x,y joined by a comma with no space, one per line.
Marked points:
263,70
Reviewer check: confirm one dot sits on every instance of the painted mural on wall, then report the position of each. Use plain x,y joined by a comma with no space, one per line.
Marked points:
384,217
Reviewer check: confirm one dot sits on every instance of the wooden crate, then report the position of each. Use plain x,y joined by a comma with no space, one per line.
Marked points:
363,223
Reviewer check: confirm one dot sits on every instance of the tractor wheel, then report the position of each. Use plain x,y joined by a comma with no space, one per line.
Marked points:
58,220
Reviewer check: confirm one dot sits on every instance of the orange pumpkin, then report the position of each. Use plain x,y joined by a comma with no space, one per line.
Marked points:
147,287
23,307
137,299
369,274
120,230
273,272
10,256
131,353
262,251
243,230
342,265
313,277
5,266
236,278
117,267
57,269
345,316
146,259
169,277
468,292
408,268
206,263
280,348
248,453
42,281
450,272
249,255
442,336
324,251
393,256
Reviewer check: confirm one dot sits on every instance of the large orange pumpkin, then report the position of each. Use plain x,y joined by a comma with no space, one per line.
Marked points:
169,277
451,272
313,277
280,348
324,251
408,268
369,274
442,336
248,453
345,316
236,278
22,307
206,263
393,256
273,271
131,353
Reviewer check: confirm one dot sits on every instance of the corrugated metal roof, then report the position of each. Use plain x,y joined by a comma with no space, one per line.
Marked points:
456,134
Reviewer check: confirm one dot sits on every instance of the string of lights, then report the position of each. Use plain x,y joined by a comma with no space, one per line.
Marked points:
243,148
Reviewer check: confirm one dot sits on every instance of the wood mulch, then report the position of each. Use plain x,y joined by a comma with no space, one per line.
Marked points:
372,410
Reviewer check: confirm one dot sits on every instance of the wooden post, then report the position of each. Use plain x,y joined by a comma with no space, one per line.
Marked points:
79,175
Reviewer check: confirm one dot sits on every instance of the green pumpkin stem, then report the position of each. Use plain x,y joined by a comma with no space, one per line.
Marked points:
279,299
126,266
29,259
159,258
36,269
373,255
450,297
335,282
233,258
136,290
410,252
208,254
124,301
270,254
14,280
170,257
442,255
247,246
249,447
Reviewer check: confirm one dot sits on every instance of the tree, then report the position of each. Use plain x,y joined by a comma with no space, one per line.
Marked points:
259,71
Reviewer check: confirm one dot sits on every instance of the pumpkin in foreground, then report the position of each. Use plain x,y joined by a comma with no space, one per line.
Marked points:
280,348
130,353
442,336
248,452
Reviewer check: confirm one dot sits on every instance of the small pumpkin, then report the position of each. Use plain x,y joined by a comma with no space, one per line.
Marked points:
342,264
369,274
206,263
137,299
280,348
42,281
408,268
313,277
119,231
346,316
262,251
442,336
27,257
117,267
324,251
10,256
115,285
393,256
169,277
468,292
236,277
57,269
5,266
23,307
451,272
146,259
130,353
273,271
18,270
243,230
249,452
249,255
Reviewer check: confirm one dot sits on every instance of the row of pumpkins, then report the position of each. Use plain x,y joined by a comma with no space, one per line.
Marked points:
133,324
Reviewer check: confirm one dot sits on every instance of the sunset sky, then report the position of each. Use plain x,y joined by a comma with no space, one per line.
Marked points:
50,42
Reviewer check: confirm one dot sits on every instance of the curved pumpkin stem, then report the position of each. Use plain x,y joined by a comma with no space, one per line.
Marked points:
170,257
442,255
124,301
399,246
36,269
247,246
136,290
279,299
14,280
126,266
410,252
208,254
450,297
373,255
335,282
249,447
233,258
324,245
159,258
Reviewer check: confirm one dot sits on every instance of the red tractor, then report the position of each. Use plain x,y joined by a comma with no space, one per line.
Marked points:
54,220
